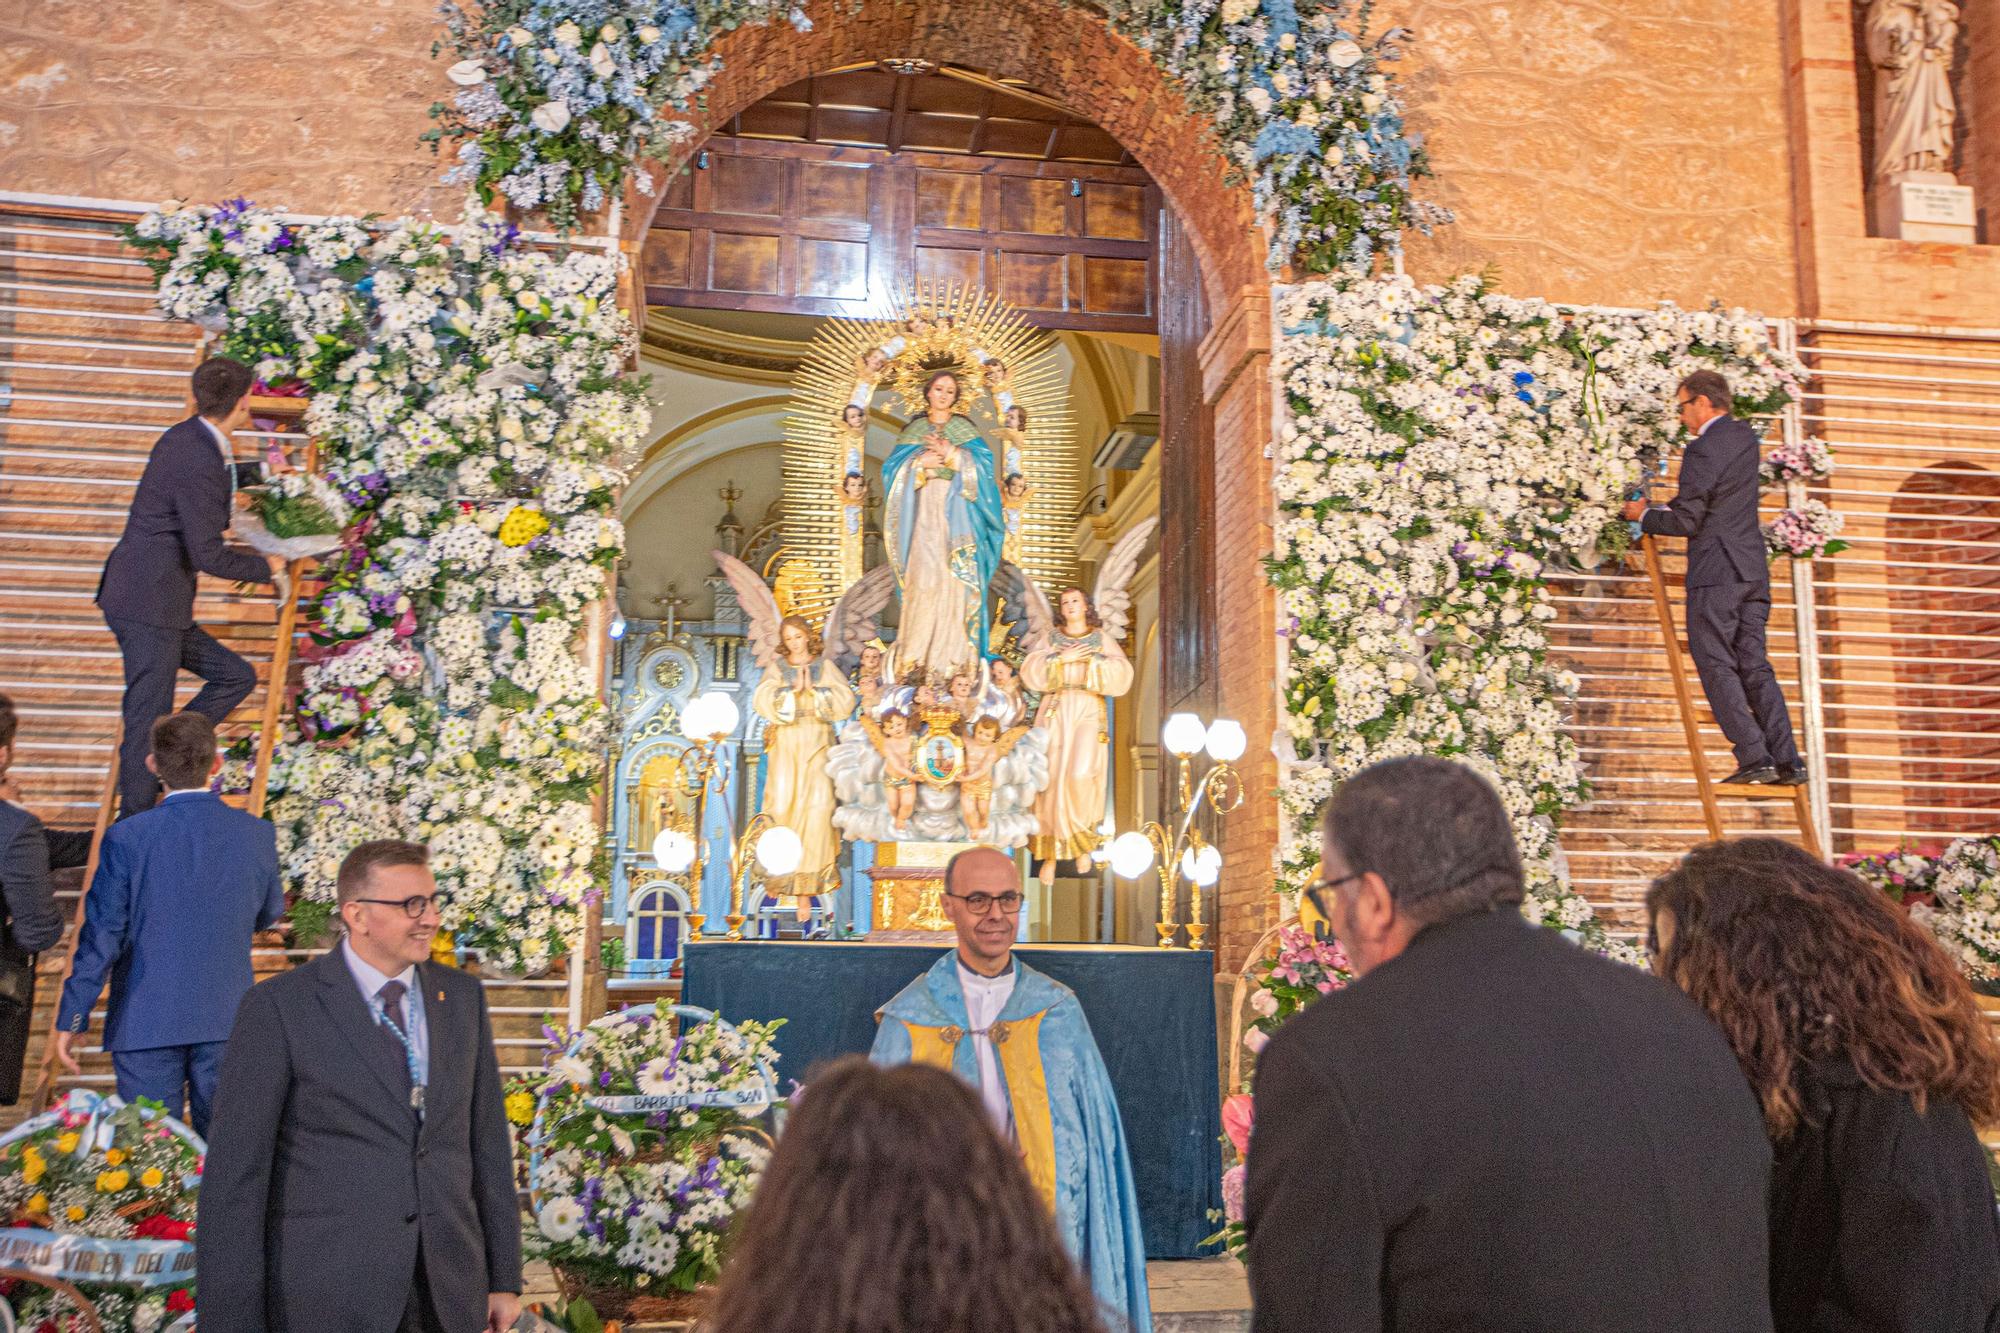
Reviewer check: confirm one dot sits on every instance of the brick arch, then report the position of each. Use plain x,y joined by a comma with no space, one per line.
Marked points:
1074,57
1059,50
1949,506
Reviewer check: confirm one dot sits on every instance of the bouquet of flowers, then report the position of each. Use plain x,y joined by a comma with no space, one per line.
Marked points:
642,1144
1965,912
101,1194
295,515
1804,460
1905,874
1303,969
1805,531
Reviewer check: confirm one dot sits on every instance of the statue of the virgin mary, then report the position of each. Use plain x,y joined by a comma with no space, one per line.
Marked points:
945,526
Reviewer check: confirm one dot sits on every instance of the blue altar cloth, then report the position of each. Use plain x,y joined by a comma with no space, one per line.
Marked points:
1151,1010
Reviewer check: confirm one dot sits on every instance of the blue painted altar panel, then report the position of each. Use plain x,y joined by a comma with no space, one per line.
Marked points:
1151,1010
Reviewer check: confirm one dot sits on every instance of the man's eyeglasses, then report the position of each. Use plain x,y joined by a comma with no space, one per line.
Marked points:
1321,890
979,904
413,908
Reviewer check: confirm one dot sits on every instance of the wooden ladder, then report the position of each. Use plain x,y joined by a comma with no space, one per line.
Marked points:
1708,788
269,712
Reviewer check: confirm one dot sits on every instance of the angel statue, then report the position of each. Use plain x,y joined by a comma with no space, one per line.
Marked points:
802,696
1076,665
944,527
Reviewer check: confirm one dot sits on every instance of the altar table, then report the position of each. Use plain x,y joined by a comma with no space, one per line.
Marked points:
1152,1011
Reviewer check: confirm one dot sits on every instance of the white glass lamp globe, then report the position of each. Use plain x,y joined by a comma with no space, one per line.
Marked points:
1226,741
695,718
1183,734
1207,865
726,716
673,851
779,851
1188,870
1131,854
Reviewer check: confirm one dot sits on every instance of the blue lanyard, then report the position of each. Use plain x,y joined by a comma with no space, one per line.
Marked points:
409,1047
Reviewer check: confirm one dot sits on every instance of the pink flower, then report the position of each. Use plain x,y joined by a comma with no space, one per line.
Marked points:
1238,1113
1232,1193
1264,1002
1256,1039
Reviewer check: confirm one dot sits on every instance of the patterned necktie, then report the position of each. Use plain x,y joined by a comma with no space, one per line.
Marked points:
391,996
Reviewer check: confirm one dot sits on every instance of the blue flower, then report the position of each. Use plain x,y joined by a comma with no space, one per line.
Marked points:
1526,397
1284,136
1522,379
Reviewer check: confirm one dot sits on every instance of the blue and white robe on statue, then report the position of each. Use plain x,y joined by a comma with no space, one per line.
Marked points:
1064,1113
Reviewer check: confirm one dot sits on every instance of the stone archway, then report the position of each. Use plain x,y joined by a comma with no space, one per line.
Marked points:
1075,57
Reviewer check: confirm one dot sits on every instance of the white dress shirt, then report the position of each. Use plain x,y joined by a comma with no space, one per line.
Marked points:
985,997
371,983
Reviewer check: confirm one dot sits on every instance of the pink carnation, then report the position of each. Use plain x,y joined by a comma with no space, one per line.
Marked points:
1238,1114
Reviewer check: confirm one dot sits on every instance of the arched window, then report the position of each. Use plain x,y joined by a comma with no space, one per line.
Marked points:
1947,657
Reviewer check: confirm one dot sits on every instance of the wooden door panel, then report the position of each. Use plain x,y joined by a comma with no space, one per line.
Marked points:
742,263
812,228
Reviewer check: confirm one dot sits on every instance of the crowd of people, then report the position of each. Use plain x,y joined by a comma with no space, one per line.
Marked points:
1489,1128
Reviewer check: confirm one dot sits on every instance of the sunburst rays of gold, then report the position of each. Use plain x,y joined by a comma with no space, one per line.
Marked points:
825,384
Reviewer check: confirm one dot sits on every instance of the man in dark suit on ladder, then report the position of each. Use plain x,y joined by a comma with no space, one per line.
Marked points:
361,1175
146,593
1728,580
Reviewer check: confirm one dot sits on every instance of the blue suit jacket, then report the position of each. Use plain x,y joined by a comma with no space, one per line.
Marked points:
180,889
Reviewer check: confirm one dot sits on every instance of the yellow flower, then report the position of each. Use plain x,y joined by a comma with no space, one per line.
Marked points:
151,1177
68,1142
520,1107
38,1203
115,1156
522,526
110,1182
75,1212
32,1168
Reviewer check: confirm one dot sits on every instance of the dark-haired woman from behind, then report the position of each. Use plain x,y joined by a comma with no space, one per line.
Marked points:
1872,1063
892,1206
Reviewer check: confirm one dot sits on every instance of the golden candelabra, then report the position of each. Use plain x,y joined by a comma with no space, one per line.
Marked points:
708,721
1185,850
743,857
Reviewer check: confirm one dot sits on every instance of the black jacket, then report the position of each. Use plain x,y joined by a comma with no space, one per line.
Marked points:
321,1181
1715,508
174,529
33,920
1881,1219
1498,1130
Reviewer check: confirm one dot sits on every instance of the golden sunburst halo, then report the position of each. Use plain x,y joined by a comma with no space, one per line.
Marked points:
931,327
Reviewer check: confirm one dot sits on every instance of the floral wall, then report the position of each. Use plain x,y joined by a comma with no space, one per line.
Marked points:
471,419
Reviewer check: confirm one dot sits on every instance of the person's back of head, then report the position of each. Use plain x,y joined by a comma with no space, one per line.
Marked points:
1798,961
892,1206
1409,843
218,385
184,751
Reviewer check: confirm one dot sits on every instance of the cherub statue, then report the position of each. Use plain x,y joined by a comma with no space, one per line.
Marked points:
1074,661
803,694
868,676
891,738
962,692
1002,697
870,366
984,749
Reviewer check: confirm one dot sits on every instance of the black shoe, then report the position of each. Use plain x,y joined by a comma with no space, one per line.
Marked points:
1754,774
1792,775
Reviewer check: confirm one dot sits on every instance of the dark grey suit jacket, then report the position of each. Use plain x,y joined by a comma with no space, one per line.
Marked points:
1498,1130
321,1182
174,529
1715,508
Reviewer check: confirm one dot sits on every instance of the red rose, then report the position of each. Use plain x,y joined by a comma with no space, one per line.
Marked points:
161,1227
180,1302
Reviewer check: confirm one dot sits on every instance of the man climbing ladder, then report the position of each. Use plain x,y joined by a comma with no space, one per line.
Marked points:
1728,581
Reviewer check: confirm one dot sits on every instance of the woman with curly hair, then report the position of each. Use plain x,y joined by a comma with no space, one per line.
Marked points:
1872,1062
892,1206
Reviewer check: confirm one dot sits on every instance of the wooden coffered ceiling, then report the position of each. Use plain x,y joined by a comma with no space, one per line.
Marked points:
942,109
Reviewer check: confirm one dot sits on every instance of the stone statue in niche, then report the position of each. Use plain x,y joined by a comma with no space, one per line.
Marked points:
1910,43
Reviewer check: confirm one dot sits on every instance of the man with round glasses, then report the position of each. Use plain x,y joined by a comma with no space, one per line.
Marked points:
1020,1038
361,1175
